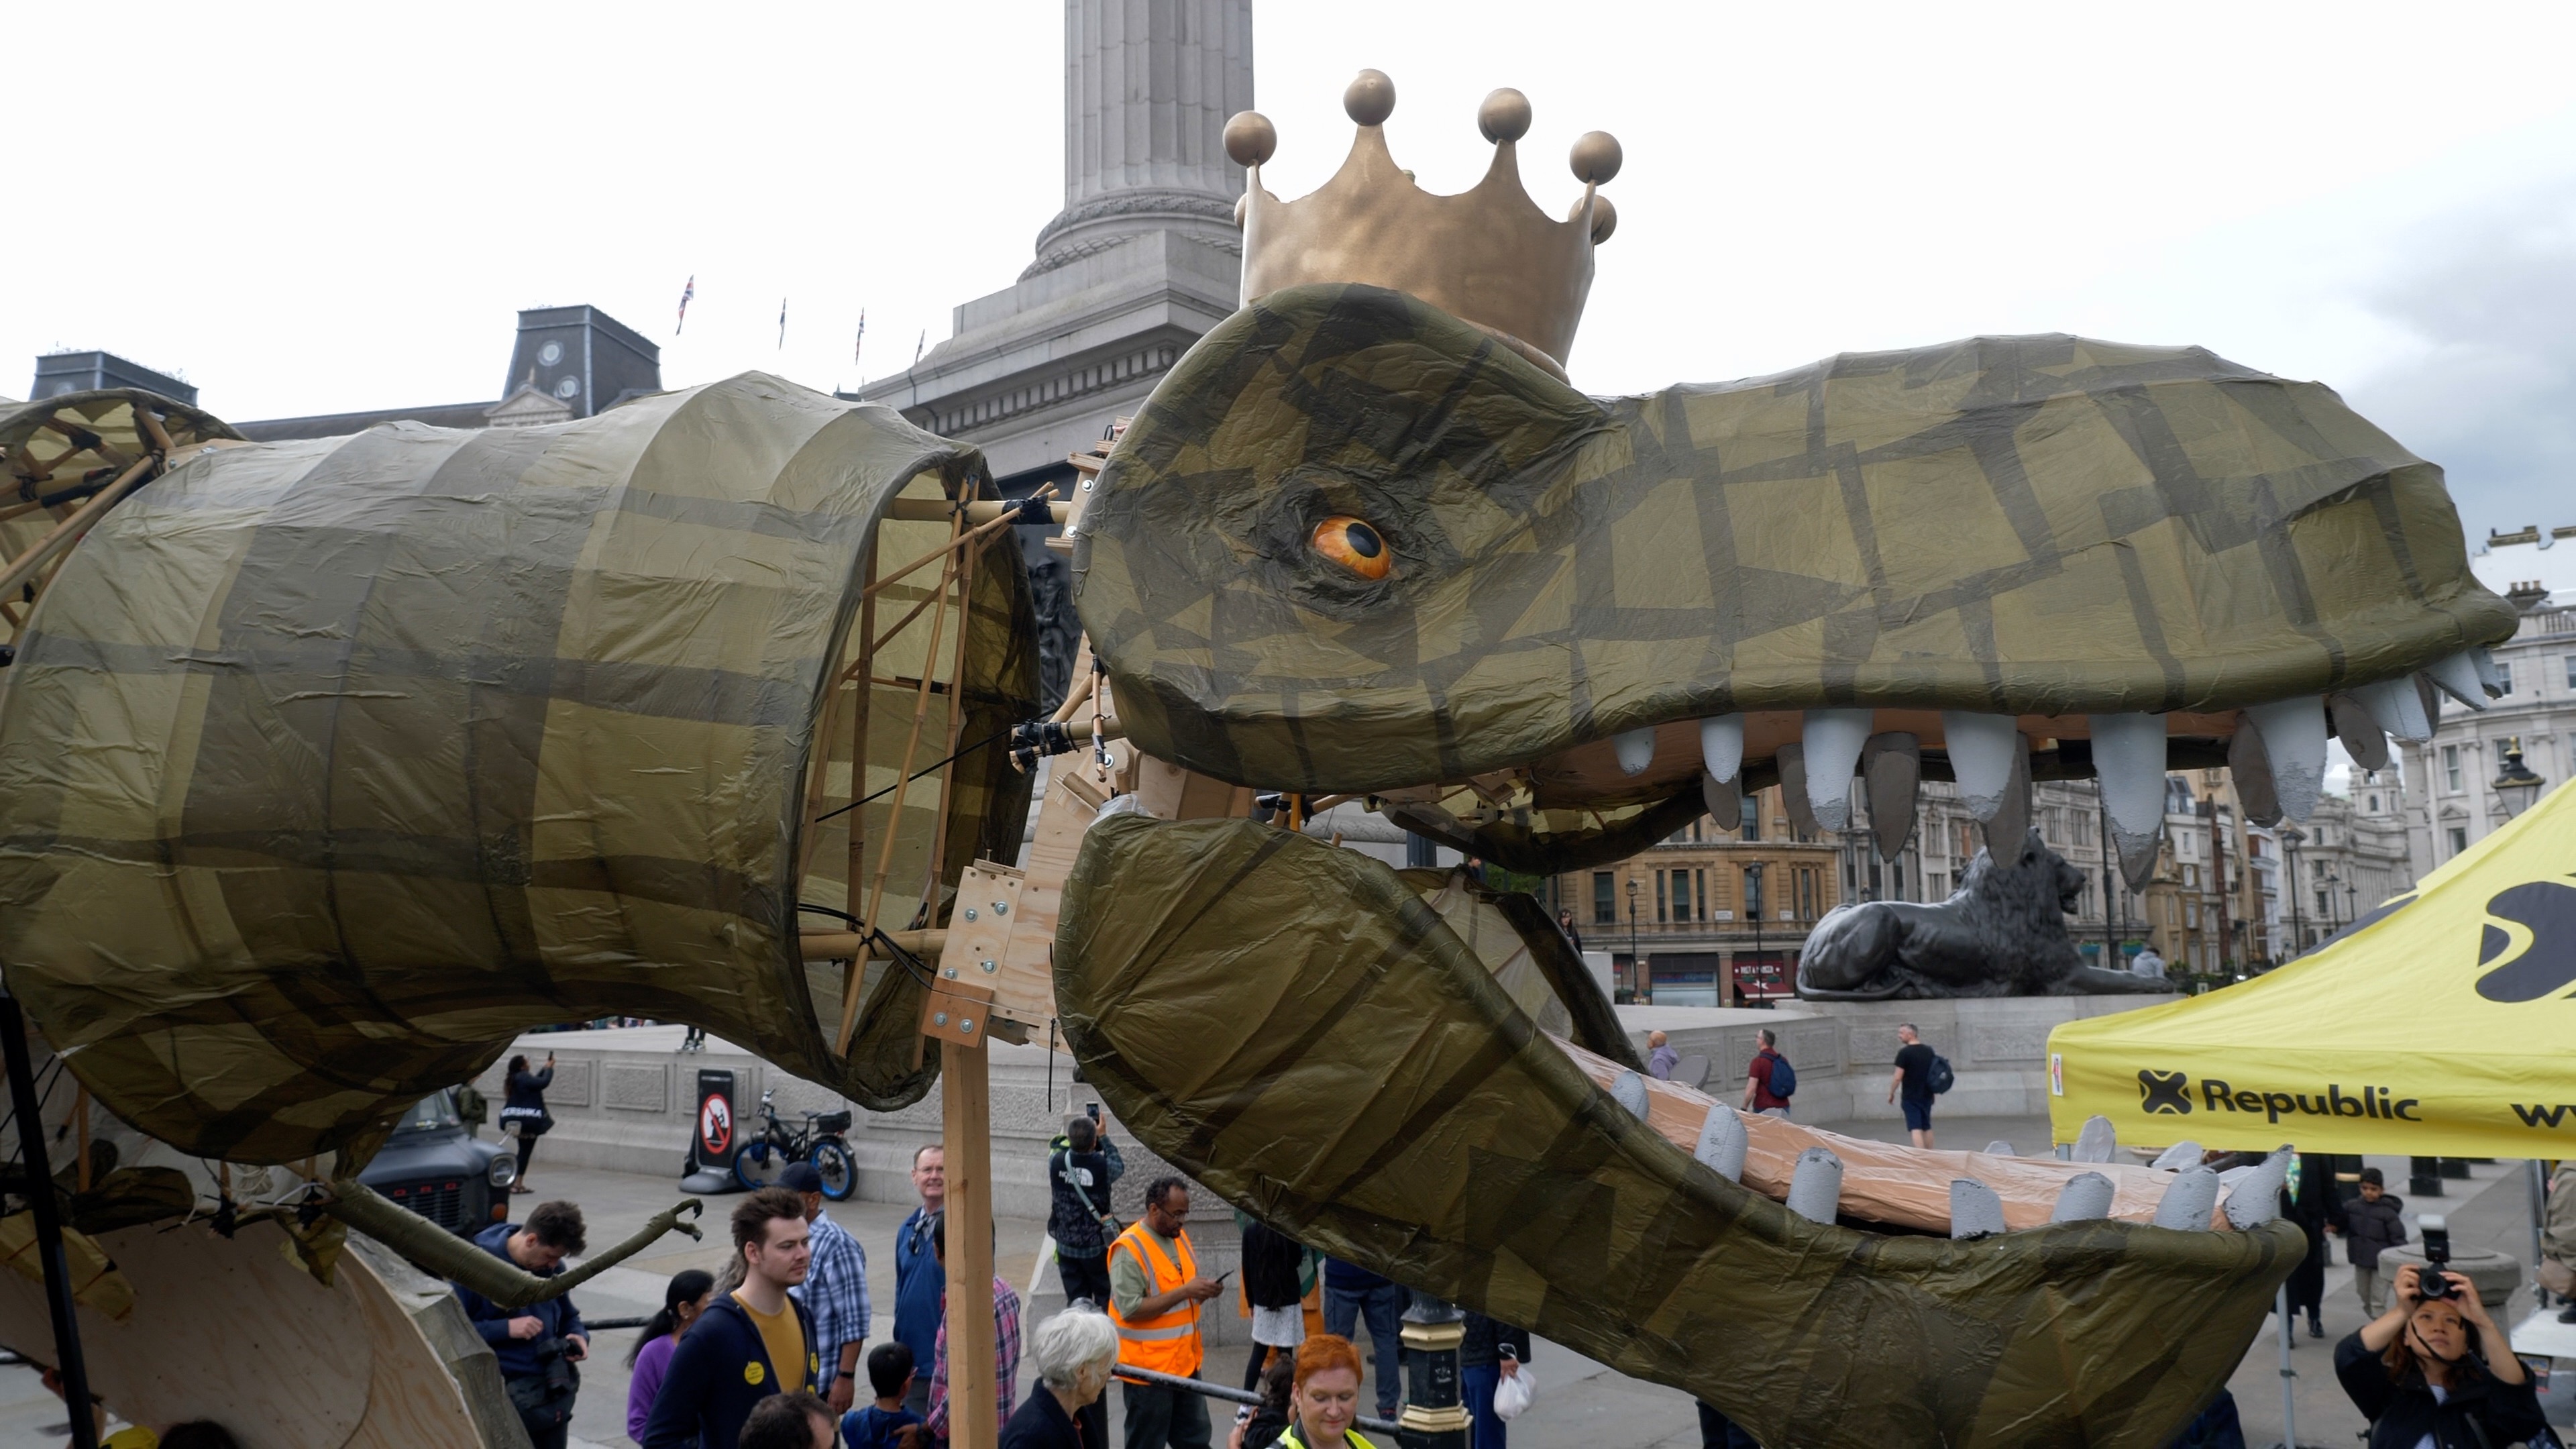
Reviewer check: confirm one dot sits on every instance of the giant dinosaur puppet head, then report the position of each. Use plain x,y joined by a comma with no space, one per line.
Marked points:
1355,546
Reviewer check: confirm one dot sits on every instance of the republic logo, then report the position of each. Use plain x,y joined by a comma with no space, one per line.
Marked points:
2166,1093
2533,953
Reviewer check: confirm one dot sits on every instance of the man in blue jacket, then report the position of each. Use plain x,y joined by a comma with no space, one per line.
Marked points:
539,1344
920,1287
750,1343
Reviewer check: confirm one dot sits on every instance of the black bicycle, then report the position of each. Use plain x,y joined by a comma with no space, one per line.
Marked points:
761,1160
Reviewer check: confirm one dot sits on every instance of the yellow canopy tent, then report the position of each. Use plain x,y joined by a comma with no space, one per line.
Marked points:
2437,1025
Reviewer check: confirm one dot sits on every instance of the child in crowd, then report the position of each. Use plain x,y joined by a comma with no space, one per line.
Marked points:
886,1424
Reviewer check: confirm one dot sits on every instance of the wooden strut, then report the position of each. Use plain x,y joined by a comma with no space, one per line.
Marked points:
70,529
932,868
864,667
911,745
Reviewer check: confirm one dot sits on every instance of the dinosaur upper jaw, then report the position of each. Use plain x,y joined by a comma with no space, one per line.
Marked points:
2113,559
1296,1028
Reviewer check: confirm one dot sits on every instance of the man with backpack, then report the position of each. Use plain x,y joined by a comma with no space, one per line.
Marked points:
1919,1075
1770,1082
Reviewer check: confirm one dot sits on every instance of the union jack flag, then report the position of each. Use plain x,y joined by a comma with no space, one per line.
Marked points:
686,293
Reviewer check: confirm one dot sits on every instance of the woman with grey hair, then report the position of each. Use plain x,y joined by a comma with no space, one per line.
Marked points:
1074,1352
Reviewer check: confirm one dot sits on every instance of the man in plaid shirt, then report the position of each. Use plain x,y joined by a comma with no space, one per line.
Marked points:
835,1292
1006,1344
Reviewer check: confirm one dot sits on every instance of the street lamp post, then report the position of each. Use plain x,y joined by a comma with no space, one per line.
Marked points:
1753,899
2515,785
2291,838
1636,963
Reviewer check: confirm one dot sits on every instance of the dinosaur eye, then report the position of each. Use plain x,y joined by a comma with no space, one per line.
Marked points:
1354,545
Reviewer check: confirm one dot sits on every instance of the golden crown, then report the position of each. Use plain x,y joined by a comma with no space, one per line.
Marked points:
1487,255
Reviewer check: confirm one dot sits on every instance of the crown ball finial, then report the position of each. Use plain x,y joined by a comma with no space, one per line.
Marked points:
1250,138
1605,217
1370,99
1505,116
1596,157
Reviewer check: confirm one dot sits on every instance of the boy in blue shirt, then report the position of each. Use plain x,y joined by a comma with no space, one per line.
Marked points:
886,1424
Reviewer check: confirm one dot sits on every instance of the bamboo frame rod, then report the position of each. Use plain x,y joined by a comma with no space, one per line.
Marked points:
972,535
70,529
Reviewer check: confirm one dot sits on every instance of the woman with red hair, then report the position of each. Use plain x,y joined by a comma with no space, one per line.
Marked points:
1325,1401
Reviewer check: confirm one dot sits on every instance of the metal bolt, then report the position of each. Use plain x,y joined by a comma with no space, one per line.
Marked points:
966,1024
970,913
989,966
1000,909
949,972
939,1018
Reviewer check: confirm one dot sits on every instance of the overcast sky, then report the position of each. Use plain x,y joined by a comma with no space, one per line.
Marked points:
341,207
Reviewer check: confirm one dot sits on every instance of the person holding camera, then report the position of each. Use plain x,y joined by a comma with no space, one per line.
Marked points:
2422,1374
538,1345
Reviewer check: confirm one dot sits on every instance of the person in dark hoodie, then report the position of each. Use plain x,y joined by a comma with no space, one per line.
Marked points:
751,1343
538,1345
1490,1353
2372,1223
1082,1165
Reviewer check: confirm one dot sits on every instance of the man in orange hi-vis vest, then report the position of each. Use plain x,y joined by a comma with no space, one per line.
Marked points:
1154,1295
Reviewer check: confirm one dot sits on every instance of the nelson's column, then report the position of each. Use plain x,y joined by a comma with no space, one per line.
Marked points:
1143,259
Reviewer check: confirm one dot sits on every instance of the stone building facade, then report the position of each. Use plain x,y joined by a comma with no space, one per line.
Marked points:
2451,798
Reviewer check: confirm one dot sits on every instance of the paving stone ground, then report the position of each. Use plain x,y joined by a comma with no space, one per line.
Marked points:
1579,1401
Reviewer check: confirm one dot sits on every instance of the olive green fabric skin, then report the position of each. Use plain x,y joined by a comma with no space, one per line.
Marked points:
2014,525
328,767
1293,1026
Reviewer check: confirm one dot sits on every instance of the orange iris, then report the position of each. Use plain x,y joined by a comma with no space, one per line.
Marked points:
1356,546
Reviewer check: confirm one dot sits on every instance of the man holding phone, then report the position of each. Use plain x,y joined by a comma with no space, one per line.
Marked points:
1154,1295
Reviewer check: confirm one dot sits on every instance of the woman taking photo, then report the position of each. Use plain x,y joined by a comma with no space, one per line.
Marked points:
523,1111
2418,1374
1326,1399
683,1299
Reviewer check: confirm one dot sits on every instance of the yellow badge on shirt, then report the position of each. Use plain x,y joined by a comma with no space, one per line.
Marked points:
754,1371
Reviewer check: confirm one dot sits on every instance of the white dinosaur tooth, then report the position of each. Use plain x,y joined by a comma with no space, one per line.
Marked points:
2458,677
1833,740
2008,833
1791,762
2185,1153
2397,708
2294,744
1725,801
1816,1185
2256,1197
2086,1197
1721,745
2129,761
1980,747
2362,737
2097,1141
1636,749
1629,1090
1975,1211
2252,769
1722,1142
2490,676
2189,1201
1891,767
2000,1148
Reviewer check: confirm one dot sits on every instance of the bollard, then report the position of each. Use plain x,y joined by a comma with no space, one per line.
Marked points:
1435,1415
2423,1177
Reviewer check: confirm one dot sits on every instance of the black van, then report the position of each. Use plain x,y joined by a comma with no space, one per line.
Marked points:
439,1169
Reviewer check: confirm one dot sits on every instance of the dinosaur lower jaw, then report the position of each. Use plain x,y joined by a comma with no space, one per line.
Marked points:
1296,1029
2276,749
